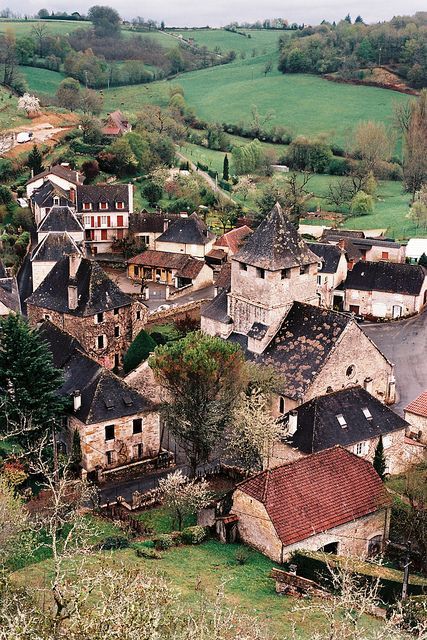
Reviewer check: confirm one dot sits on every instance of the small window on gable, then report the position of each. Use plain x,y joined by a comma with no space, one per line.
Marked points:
55,200
350,371
109,432
120,205
138,315
260,272
87,206
285,273
99,318
303,269
103,205
243,266
360,448
367,413
341,420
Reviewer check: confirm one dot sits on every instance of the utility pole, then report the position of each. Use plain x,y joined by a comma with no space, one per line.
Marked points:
406,570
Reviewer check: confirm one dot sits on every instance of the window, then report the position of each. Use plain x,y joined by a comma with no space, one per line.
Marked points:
341,420
120,234
282,404
46,316
360,448
90,235
260,272
137,425
116,312
350,371
100,342
285,273
110,457
375,546
104,221
319,279
116,360
384,255
117,331
367,413
145,240
87,220
109,432
243,266
303,269
55,200
138,315
99,318
87,206
104,234
120,205
138,451
103,205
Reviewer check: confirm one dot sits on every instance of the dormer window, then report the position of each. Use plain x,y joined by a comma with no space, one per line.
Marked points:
367,413
341,421
120,205
260,273
303,269
243,266
55,200
103,205
285,273
87,206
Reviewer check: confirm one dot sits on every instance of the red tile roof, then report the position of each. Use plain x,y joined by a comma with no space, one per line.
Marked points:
233,239
317,493
419,405
186,266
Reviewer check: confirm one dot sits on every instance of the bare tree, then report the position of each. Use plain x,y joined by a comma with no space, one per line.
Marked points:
39,32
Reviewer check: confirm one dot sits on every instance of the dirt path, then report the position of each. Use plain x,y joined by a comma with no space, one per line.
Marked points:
211,182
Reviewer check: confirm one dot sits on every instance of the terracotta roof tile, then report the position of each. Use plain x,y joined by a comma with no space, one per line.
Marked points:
419,405
317,493
234,239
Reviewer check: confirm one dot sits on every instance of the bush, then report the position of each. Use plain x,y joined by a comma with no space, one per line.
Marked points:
114,542
163,542
193,535
338,167
146,552
138,351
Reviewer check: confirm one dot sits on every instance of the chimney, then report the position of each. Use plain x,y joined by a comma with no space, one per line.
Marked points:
77,400
341,244
74,260
367,384
165,224
73,196
72,295
292,422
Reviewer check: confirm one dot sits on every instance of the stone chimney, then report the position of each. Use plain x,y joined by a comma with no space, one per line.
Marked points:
77,400
165,224
367,384
74,261
292,422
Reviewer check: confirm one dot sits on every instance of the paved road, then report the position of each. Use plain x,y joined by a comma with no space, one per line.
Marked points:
405,344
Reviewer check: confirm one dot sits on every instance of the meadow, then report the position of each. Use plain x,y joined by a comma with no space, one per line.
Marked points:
54,27
42,80
258,41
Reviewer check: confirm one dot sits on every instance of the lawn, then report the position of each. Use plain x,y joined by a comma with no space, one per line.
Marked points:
9,115
55,27
42,80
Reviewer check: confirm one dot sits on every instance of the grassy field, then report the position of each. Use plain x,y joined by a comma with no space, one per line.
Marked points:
261,41
55,27
9,115
42,80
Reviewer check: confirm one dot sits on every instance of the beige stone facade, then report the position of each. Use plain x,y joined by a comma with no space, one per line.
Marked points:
126,447
418,424
256,529
382,304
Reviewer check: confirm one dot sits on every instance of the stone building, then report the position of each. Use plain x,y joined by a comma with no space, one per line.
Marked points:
50,195
180,271
52,247
60,175
232,241
147,227
385,289
371,249
351,418
332,272
117,425
188,235
61,219
271,311
78,297
116,125
332,501
416,415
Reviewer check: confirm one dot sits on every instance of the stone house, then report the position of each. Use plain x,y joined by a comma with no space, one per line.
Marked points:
51,248
385,289
117,425
271,311
147,227
177,270
61,219
60,175
188,235
371,249
50,195
351,418
416,414
332,272
78,297
105,210
116,125
332,501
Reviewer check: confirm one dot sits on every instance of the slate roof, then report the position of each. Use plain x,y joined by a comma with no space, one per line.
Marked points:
60,171
301,346
3,272
216,309
336,234
330,255
104,396
44,194
9,294
60,219
143,222
234,239
375,242
276,244
223,280
95,291
189,230
53,247
319,428
419,405
317,493
110,193
390,277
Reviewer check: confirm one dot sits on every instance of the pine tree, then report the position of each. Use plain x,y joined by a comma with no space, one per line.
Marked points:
35,160
423,260
29,402
379,462
226,168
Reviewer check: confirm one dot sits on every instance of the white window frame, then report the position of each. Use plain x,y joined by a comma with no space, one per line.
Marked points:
360,448
103,206
120,205
87,206
104,221
104,341
341,420
88,221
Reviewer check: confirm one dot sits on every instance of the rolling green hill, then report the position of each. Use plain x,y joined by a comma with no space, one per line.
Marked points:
55,27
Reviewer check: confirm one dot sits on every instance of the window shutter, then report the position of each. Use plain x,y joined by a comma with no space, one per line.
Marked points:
108,221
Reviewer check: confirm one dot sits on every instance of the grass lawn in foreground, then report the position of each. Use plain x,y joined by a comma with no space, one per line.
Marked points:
9,115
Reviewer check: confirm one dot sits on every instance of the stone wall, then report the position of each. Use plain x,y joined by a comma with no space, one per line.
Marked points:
375,254
380,304
418,423
257,530
94,446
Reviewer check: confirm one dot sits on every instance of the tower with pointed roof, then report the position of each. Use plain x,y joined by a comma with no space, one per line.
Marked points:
274,269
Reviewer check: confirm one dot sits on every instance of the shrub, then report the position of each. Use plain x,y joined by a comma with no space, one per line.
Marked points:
242,556
193,535
114,542
338,167
5,195
146,552
138,351
163,542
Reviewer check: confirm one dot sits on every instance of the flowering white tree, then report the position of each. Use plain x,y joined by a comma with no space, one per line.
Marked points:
182,497
30,104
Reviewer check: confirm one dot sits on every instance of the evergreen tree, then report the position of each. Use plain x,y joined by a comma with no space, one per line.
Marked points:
226,168
29,403
348,18
379,462
423,260
35,160
138,351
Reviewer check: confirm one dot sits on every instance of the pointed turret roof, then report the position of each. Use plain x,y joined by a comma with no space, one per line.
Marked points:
276,244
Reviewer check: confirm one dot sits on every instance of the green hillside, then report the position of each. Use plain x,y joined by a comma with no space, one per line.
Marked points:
54,27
